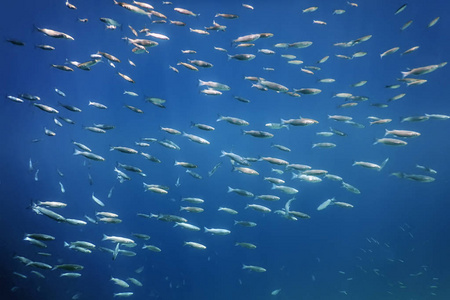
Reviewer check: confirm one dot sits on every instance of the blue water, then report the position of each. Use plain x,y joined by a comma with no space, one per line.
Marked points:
391,245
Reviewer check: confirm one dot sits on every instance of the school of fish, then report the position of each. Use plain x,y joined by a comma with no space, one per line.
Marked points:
281,187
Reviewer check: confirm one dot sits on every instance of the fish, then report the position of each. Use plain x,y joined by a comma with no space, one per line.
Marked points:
299,122
132,8
96,200
245,223
310,9
195,245
123,149
240,192
350,188
433,22
126,77
214,169
284,189
245,170
15,99
369,165
217,231
184,11
325,204
226,16
196,138
259,208
199,31
427,169
247,38
254,268
319,22
89,155
402,133
47,212
420,70
307,178
228,210
414,177
233,120
390,142
117,239
187,226
324,145
123,294
214,85
401,8
54,34
245,245
46,108
241,57
258,133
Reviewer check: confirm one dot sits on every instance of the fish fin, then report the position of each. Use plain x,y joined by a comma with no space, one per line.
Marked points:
384,163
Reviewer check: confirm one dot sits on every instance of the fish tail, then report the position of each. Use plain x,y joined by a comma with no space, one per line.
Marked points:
384,163
36,28
404,74
76,152
105,237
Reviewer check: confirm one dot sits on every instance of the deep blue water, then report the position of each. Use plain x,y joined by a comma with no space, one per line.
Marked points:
393,244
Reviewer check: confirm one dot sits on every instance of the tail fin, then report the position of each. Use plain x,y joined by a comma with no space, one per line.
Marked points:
384,163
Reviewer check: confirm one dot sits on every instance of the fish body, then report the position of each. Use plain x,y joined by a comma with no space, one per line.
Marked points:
254,268
55,34
241,56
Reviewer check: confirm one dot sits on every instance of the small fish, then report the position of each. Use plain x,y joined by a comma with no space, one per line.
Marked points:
400,9
406,25
390,51
126,77
433,22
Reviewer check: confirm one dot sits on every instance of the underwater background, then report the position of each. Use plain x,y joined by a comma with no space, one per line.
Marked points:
392,244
